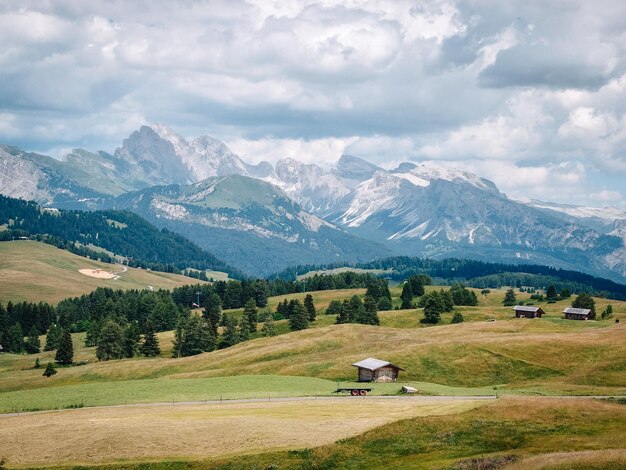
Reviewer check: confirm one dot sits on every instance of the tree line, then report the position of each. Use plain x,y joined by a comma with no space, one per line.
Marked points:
478,274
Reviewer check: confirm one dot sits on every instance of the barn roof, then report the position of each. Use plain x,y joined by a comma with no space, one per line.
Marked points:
526,308
577,311
374,364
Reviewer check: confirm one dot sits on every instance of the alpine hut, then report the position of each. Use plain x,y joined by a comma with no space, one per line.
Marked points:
375,370
528,311
572,313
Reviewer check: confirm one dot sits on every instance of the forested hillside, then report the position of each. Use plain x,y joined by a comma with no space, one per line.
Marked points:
479,274
122,233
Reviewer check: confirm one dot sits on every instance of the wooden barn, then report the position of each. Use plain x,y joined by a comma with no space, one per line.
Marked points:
572,313
528,311
375,370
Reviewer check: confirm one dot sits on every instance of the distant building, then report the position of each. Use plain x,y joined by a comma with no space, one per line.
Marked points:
375,370
572,313
528,311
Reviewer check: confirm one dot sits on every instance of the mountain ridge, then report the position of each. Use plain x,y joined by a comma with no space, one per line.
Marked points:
414,209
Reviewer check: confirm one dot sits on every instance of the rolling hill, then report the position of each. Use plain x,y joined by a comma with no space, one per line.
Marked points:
34,271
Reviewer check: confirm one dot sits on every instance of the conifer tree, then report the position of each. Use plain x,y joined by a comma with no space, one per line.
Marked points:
5,324
65,351
299,318
111,341
406,296
230,336
245,328
15,339
345,314
250,315
53,337
261,292
132,339
33,345
310,307
371,313
150,346
509,298
334,308
417,285
433,308
551,293
50,370
91,338
213,311
607,312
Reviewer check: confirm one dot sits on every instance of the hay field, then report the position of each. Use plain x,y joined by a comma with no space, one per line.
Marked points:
34,271
511,433
156,433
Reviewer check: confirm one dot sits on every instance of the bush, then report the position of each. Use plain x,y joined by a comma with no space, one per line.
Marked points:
457,318
50,370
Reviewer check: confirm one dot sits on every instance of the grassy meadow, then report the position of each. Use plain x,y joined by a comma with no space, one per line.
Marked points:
524,362
34,271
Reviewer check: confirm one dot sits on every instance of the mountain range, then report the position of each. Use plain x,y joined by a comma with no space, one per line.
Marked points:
262,218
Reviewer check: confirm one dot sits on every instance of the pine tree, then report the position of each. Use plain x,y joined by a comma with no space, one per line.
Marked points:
53,338
65,352
91,338
269,328
15,339
417,285
448,300
150,346
5,324
345,314
310,307
551,293
230,336
33,345
50,370
250,315
334,308
406,296
371,313
132,339
111,341
433,308
261,292
299,319
509,298
213,311
245,328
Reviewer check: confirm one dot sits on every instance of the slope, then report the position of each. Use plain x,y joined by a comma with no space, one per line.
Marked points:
248,222
33,271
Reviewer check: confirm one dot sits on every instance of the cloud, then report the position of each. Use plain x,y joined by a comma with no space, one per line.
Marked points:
527,85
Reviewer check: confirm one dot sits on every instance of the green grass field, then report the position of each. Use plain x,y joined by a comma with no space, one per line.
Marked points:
34,271
491,353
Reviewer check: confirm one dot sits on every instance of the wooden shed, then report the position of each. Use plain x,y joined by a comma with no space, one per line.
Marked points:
372,370
572,313
528,311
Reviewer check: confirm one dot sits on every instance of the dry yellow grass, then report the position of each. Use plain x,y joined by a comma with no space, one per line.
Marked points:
155,433
567,460
34,271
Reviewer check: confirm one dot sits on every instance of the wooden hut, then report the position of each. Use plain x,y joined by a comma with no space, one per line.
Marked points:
372,370
572,313
528,311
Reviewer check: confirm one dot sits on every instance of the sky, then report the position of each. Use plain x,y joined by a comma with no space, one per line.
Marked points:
530,94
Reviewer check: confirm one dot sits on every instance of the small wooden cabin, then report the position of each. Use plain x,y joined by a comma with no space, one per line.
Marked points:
373,370
572,313
528,311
